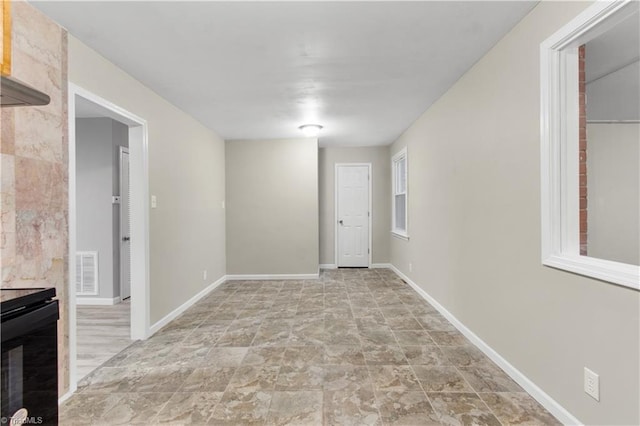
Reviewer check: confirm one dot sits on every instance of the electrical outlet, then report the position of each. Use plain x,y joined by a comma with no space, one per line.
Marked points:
410,267
204,274
592,384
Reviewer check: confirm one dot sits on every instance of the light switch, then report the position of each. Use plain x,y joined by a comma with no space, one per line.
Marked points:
154,202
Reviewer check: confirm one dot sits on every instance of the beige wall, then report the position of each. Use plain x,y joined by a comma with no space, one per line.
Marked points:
613,191
380,203
272,206
474,223
34,165
186,173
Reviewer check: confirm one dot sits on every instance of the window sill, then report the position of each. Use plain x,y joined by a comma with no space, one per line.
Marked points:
606,270
400,235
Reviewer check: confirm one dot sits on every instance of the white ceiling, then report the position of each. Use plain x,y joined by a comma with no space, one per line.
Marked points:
613,50
255,70
87,109
612,72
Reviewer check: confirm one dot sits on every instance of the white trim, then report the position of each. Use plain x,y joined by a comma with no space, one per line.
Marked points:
335,215
73,351
255,277
401,233
328,266
121,151
66,396
186,305
602,269
559,139
372,266
370,181
527,384
613,121
139,228
335,205
98,301
139,180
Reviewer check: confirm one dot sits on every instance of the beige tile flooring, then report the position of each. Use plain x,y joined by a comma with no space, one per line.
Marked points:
357,347
102,332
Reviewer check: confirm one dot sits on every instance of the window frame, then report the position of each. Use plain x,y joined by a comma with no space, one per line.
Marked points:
395,161
559,123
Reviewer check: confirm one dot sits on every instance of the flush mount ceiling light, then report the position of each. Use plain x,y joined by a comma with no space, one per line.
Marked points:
310,130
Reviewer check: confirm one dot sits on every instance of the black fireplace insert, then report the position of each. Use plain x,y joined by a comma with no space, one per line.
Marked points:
29,374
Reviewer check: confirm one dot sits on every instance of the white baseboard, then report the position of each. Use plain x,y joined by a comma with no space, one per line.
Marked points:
186,305
328,266
98,301
66,396
541,396
273,277
373,265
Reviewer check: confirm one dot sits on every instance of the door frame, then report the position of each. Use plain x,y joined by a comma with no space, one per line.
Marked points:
335,214
122,150
139,224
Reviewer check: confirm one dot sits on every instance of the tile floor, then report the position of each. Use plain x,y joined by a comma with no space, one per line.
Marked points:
357,347
102,332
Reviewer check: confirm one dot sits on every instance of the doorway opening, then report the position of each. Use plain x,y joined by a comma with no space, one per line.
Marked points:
108,231
353,215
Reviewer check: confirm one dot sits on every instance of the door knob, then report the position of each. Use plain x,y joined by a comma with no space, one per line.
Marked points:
340,222
126,238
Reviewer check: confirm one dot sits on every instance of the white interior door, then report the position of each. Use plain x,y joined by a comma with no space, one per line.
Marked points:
353,216
125,234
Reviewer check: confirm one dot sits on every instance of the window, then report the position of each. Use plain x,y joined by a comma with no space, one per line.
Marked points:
589,142
399,184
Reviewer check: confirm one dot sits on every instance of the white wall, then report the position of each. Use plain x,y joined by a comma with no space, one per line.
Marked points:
94,174
381,198
474,226
613,185
272,206
97,174
615,96
186,173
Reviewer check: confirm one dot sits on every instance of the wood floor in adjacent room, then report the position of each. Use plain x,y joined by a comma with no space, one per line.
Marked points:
355,347
102,332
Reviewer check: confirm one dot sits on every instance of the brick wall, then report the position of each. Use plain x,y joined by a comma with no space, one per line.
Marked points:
583,150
